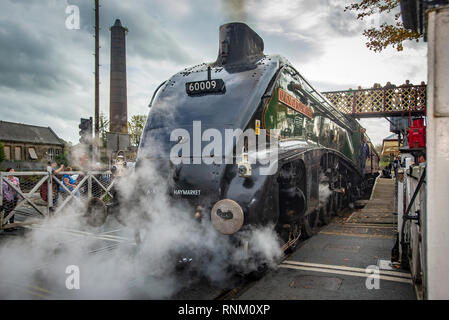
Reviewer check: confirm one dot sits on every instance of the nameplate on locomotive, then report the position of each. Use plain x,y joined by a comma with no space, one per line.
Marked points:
294,103
205,87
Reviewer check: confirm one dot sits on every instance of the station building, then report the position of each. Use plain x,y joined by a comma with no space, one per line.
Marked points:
391,146
29,147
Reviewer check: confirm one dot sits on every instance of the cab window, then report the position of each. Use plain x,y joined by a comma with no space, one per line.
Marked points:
281,111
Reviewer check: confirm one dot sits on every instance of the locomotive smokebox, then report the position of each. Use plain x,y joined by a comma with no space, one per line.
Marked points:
118,105
239,44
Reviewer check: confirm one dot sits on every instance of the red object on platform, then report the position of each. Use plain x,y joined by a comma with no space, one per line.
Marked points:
417,134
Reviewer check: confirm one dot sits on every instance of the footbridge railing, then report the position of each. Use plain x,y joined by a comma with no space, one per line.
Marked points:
380,102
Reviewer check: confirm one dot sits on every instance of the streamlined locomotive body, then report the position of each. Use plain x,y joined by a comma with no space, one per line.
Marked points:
317,157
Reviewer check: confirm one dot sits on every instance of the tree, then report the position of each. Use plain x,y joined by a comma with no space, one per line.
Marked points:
2,153
104,124
135,127
62,158
386,34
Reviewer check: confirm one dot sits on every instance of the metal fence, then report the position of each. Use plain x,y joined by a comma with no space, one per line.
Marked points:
42,193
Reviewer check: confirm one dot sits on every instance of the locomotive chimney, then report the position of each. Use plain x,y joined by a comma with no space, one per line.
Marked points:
239,44
118,105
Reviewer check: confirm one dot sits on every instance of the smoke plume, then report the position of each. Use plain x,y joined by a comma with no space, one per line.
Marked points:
235,10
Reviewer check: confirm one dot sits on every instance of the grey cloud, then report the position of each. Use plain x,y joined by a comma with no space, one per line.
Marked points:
26,63
146,38
324,86
343,23
302,51
34,45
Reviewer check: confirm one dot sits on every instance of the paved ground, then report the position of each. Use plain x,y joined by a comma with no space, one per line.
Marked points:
332,264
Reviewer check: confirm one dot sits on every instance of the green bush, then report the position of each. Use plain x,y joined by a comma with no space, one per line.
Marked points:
62,158
2,154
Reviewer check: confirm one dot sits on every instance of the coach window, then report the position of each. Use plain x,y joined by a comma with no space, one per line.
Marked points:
282,110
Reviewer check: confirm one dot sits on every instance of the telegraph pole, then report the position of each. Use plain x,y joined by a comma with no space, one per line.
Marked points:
97,81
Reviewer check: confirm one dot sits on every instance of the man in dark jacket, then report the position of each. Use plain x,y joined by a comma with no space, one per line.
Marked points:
364,154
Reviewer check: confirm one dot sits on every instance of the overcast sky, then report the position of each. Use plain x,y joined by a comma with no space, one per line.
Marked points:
46,70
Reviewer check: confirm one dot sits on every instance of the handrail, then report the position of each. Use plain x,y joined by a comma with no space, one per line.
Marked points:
418,187
406,216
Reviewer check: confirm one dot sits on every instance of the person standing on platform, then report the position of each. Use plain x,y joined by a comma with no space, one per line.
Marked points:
52,169
10,196
364,154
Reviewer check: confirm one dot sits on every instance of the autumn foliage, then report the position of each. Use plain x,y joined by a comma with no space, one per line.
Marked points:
385,34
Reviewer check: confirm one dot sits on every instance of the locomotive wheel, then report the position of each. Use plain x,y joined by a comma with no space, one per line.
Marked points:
96,213
308,224
340,202
325,216
259,273
335,203
295,233
331,205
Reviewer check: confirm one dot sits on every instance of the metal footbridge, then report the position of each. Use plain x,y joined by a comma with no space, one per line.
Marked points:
389,101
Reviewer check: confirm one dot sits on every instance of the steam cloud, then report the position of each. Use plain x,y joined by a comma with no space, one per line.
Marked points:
115,267
235,10
324,190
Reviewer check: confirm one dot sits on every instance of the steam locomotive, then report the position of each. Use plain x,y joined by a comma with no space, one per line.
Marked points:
318,148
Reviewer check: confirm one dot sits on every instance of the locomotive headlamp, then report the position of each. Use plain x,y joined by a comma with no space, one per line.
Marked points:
227,216
244,167
243,170
198,213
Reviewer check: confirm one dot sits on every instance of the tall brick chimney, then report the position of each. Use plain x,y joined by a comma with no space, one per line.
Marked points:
118,105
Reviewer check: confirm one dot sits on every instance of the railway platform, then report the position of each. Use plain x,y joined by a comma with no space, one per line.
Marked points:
347,259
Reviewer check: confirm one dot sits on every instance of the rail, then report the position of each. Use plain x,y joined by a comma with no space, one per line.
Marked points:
40,193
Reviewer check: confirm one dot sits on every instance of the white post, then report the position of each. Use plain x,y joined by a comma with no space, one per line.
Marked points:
49,190
437,221
89,186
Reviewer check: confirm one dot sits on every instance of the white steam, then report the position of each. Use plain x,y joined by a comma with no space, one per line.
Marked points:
324,190
113,266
